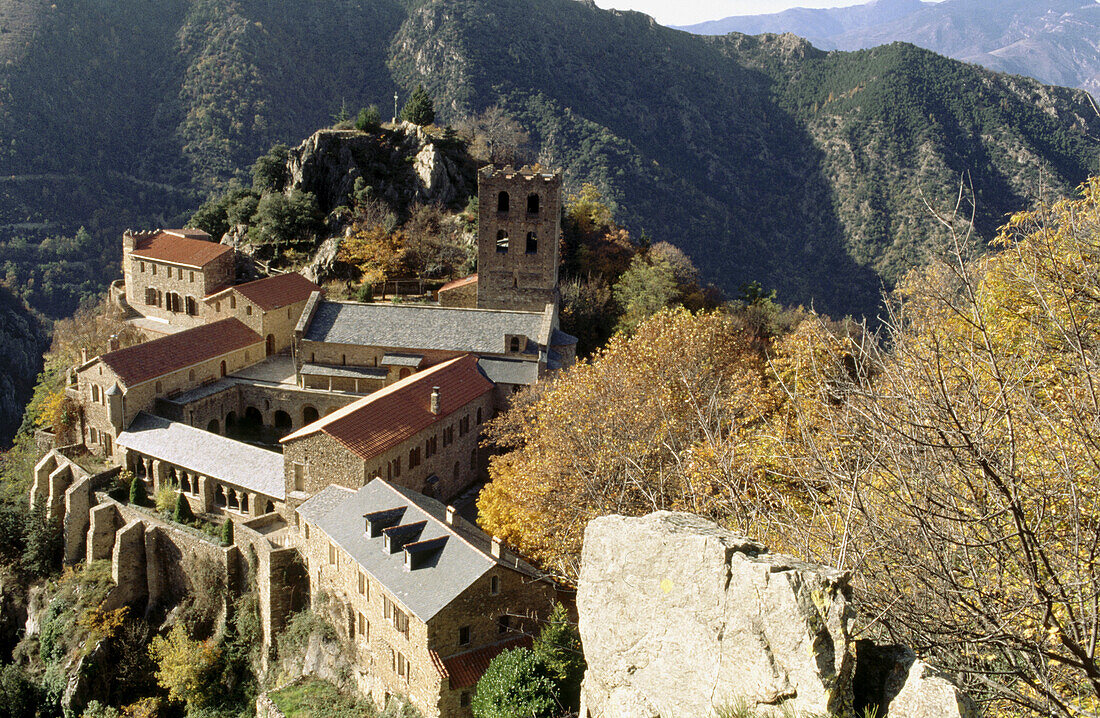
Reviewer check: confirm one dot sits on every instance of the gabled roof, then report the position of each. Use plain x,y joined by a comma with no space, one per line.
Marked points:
279,291
203,452
381,420
465,669
460,551
456,283
413,327
158,357
180,246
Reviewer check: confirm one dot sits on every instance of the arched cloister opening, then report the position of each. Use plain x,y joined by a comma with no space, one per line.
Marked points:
283,423
269,508
219,496
213,427
309,415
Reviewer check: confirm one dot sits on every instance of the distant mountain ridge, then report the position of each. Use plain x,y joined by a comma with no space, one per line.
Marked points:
1054,41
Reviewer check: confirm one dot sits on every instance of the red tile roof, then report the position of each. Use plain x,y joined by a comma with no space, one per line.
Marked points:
158,357
455,284
278,291
466,669
180,246
384,419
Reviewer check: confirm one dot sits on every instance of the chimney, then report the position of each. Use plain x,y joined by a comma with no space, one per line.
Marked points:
114,343
450,515
496,547
83,355
435,400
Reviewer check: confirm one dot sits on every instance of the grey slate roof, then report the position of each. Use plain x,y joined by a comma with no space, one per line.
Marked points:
464,558
232,462
352,372
395,359
509,371
411,326
560,339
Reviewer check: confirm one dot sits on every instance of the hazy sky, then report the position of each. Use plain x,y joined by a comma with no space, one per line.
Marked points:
686,12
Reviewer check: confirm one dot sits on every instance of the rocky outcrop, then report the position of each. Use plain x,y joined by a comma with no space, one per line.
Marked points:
401,166
679,617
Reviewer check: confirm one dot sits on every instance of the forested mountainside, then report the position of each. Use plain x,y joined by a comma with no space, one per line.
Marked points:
763,159
1055,41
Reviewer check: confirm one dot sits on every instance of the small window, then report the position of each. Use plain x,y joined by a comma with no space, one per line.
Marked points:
218,307
502,241
532,203
307,532
142,264
192,278
248,310
362,624
502,202
513,345
362,584
464,699
157,388
532,243
494,585
300,479
464,636
503,623
154,270
397,467
93,435
232,301
331,555
191,375
479,415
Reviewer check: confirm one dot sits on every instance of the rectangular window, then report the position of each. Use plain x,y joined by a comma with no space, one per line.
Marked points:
464,636
307,532
494,585
248,310
299,477
387,607
362,584
142,264
401,621
362,625
502,623
154,270
331,554
192,277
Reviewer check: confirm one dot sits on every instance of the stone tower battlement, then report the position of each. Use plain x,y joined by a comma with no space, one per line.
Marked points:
519,229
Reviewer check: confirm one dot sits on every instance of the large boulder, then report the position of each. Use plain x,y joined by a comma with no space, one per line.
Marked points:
679,617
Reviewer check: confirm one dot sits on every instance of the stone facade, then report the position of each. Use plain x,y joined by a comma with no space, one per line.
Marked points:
172,291
519,228
318,460
398,654
105,413
276,326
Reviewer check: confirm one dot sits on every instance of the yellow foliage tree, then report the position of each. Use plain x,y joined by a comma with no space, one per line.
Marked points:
187,668
376,252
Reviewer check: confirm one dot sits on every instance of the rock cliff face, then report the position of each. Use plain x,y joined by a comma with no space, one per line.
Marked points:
679,617
404,166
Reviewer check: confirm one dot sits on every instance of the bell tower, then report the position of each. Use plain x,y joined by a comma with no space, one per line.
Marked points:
519,229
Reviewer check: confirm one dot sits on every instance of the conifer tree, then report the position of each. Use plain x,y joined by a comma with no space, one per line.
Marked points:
137,492
419,110
227,533
182,513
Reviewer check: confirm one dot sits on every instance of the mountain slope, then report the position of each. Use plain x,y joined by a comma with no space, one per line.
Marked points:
127,114
1055,41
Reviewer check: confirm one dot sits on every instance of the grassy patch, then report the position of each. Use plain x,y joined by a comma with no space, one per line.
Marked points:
313,698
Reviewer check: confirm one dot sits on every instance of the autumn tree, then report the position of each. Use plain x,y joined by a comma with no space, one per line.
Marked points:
378,254
188,669
657,420
497,137
959,458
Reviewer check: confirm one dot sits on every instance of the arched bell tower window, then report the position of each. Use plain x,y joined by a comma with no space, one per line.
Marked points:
502,241
502,202
532,203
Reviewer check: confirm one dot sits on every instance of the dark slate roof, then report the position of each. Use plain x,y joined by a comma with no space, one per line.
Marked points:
561,339
395,359
425,591
413,326
279,291
509,371
158,357
389,416
352,372
232,462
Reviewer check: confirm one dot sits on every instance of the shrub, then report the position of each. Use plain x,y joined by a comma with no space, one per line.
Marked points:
43,547
187,668
18,695
137,492
165,499
95,709
369,119
182,513
516,683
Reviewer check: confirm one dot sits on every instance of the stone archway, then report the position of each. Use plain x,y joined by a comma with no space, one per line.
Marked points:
270,344
283,423
309,414
213,426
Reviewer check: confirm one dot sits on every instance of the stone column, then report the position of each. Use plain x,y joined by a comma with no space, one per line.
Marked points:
156,476
206,493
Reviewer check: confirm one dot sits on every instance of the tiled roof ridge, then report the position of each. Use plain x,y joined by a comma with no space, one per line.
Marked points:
294,278
114,358
351,408
180,240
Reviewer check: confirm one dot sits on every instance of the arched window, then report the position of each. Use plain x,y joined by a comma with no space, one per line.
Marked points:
191,375
532,243
502,202
157,388
221,368
532,203
479,415
150,297
502,241
513,345
232,301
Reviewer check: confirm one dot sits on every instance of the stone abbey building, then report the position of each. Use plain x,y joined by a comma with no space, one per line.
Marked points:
332,434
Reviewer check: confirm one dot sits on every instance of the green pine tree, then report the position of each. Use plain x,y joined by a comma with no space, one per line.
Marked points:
419,110
227,533
559,648
137,492
182,513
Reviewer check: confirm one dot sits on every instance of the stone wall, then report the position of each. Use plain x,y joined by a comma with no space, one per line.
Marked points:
141,274
679,617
